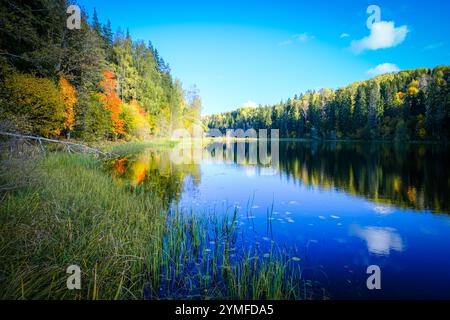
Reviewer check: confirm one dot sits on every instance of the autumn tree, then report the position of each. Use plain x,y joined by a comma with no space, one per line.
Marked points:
69,95
135,119
35,102
112,102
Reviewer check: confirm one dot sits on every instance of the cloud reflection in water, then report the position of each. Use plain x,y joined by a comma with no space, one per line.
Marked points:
379,240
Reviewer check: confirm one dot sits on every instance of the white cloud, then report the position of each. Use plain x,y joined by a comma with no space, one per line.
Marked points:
304,37
301,37
250,104
382,69
345,35
382,35
433,46
285,43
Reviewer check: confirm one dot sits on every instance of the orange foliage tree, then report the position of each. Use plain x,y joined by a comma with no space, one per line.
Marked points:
112,102
69,95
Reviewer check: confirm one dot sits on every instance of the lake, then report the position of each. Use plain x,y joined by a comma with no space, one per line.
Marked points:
338,206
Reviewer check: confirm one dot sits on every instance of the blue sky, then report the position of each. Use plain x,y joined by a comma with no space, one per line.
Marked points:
245,52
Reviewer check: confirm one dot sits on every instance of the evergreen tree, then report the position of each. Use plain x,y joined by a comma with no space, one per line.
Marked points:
409,104
96,25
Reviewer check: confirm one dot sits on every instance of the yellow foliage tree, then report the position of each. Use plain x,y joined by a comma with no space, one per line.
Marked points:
413,88
135,119
37,100
69,95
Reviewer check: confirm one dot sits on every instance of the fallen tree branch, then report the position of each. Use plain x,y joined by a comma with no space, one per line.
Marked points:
69,145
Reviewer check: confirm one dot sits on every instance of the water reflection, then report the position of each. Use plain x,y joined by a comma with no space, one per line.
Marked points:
153,171
382,209
339,206
408,175
379,240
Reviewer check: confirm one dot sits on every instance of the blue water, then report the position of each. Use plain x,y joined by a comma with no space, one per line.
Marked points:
341,208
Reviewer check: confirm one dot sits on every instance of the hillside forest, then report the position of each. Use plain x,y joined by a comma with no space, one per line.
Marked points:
89,83
408,105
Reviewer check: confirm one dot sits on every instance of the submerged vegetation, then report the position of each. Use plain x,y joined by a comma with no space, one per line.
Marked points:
62,209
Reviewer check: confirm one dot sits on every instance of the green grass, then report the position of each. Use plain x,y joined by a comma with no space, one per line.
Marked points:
70,211
74,214
125,148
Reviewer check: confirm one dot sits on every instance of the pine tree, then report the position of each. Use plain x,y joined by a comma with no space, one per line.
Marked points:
107,33
359,119
373,110
96,25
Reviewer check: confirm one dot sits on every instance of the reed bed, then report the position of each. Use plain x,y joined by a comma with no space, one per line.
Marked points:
127,244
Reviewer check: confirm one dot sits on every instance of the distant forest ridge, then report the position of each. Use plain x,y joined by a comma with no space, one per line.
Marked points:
408,105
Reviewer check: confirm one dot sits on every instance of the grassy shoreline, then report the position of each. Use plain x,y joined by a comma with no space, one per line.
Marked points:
124,147
128,245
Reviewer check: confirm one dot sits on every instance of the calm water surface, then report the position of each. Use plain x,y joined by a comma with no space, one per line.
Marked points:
339,206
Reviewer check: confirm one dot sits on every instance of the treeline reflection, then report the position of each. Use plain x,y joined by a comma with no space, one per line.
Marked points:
405,175
152,171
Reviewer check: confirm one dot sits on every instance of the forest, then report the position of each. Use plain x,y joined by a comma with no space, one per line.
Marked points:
90,175
93,84
408,105
88,84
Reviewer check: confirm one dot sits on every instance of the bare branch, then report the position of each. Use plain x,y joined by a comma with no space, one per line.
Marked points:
70,146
